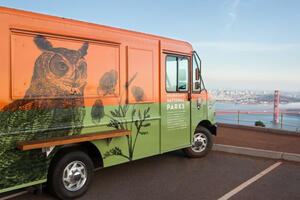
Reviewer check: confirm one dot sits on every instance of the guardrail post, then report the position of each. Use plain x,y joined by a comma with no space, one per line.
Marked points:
281,120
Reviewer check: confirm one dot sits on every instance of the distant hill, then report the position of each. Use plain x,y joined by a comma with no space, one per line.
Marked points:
282,98
293,109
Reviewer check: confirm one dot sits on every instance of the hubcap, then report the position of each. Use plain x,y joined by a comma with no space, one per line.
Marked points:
200,142
74,176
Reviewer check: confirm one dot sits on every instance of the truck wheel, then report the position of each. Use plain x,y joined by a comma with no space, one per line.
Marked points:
70,175
202,143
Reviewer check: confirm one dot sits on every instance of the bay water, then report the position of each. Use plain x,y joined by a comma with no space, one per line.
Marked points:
289,121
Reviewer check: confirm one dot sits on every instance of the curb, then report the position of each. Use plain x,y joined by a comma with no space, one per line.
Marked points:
257,152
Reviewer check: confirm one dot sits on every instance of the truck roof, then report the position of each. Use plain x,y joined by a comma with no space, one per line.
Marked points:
89,24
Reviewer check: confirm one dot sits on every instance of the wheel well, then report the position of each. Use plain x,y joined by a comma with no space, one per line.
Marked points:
94,153
209,126
89,148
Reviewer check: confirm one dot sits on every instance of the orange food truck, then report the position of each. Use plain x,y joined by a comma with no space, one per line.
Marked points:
77,96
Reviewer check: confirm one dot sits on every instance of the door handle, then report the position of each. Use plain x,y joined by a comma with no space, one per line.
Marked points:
189,96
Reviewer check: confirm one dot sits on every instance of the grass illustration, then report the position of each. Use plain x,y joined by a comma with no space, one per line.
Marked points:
122,117
119,121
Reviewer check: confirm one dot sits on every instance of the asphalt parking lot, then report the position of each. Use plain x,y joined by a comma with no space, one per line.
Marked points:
173,176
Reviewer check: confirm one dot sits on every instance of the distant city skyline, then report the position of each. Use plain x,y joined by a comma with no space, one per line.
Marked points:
243,44
254,97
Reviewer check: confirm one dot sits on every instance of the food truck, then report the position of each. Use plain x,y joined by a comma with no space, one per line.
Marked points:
77,96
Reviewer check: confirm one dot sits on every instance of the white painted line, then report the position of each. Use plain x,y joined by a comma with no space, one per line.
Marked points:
248,182
13,195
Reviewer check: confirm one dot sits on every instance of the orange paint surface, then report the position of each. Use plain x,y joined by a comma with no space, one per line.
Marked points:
112,52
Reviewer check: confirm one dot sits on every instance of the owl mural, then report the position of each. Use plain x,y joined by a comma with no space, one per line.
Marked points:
52,106
58,72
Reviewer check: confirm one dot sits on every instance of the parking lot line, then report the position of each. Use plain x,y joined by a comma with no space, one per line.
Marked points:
248,182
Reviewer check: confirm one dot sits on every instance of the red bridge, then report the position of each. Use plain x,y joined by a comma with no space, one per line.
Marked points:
275,111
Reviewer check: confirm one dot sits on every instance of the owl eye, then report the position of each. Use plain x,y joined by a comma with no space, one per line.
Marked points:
62,66
58,67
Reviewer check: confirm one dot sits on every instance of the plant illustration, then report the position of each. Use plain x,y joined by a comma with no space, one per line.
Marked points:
123,117
119,121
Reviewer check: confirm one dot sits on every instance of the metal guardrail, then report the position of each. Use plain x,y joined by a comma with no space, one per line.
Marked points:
255,112
239,121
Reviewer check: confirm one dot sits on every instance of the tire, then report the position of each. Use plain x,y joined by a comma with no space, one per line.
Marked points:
74,167
203,146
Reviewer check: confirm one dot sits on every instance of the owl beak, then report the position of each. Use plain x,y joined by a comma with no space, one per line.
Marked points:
75,91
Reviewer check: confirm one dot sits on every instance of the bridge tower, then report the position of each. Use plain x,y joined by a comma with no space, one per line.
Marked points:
276,107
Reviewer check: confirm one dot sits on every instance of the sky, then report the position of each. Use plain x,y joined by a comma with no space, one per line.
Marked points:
243,44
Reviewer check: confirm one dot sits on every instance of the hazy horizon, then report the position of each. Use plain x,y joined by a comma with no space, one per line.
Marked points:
255,90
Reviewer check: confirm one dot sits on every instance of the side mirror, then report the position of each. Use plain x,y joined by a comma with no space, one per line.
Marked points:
197,73
197,85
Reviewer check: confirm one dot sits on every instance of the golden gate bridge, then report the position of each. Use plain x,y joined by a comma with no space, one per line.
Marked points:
276,112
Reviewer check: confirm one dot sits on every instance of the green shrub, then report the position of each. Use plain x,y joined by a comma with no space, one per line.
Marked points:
259,123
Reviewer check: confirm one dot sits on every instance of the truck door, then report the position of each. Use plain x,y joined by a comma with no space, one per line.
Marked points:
175,97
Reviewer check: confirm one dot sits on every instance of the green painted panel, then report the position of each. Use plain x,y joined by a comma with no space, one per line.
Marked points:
104,146
204,110
198,114
143,120
175,125
149,144
211,111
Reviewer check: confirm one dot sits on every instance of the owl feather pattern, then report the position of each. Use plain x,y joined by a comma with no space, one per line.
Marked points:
53,101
